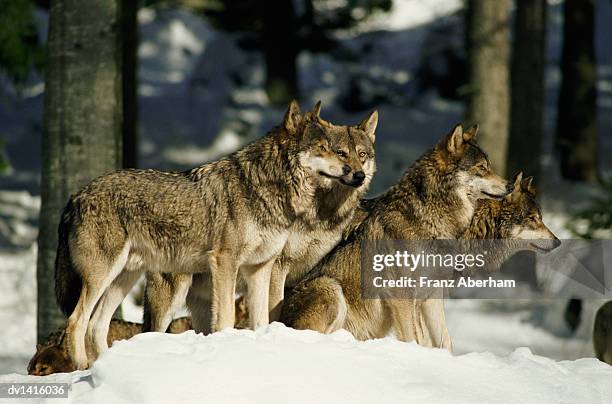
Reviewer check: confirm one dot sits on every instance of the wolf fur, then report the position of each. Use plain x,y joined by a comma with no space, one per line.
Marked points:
602,333
163,287
223,218
517,218
52,356
435,198
310,237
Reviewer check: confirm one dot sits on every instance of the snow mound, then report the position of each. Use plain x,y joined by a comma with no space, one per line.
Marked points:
279,364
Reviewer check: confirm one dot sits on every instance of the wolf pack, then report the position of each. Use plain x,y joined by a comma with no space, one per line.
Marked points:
280,223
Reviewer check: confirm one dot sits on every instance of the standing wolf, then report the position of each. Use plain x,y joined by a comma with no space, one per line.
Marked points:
311,236
225,217
435,198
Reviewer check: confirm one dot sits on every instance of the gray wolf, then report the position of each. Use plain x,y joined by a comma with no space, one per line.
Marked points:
52,356
602,333
226,217
517,218
310,237
435,198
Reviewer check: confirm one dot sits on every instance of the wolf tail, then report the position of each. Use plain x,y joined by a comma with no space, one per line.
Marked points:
68,282
317,304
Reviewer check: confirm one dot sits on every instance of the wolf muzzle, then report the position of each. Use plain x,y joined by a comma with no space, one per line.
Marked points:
356,180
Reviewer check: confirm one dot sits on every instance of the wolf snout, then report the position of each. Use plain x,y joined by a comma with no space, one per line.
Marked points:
358,178
544,245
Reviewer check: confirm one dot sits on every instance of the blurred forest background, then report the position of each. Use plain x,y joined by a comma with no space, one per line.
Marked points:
91,86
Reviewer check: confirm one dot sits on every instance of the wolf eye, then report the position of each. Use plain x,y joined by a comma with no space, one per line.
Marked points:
323,148
362,154
341,153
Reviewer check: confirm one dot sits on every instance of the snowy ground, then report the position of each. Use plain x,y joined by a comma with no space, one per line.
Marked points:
192,110
278,364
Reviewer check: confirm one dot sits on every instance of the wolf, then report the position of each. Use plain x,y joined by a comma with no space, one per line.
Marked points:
310,237
52,356
435,198
517,219
602,333
226,217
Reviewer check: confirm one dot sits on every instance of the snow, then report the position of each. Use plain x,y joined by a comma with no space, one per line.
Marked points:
18,305
500,327
18,216
202,96
277,364
407,14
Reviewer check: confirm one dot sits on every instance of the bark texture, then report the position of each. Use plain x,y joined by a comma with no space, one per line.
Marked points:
82,123
577,110
527,88
488,98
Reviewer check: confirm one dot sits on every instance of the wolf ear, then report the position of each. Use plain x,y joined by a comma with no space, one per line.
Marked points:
369,124
38,347
454,141
316,110
315,113
516,187
527,186
471,133
293,117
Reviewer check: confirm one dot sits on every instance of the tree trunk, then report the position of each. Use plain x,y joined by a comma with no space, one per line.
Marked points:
129,38
527,107
527,88
577,108
487,42
82,123
280,51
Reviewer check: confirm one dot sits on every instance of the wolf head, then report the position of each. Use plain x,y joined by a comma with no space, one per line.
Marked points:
333,153
521,218
470,166
49,359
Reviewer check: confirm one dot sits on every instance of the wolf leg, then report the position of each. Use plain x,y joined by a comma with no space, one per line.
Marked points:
277,290
96,279
258,288
97,331
318,305
165,293
433,316
223,270
405,320
199,303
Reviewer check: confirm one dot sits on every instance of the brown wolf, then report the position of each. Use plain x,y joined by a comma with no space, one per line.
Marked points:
229,216
52,356
602,333
310,237
516,217
435,198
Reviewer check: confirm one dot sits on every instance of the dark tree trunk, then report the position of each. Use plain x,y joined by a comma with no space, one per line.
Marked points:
129,28
527,88
527,105
487,42
280,48
577,109
82,123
